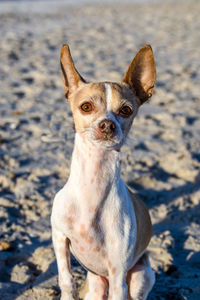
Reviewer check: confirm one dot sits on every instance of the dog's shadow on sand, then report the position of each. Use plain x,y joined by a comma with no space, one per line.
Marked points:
43,284
15,289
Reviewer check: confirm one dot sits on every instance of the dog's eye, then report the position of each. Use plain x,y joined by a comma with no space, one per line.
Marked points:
86,107
125,111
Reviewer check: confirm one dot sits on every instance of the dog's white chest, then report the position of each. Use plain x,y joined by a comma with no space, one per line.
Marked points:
95,212
99,231
89,249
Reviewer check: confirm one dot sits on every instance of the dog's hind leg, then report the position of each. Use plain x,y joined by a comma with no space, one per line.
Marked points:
97,287
140,279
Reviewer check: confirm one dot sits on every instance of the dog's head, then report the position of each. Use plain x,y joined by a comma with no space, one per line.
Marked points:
103,112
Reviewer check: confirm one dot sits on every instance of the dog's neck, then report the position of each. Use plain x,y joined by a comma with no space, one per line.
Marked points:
94,170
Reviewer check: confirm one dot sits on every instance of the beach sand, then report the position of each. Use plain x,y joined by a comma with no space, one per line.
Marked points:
160,161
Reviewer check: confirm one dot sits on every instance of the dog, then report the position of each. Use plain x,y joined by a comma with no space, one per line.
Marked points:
95,215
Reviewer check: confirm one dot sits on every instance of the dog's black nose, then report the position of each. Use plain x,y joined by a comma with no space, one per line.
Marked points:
107,127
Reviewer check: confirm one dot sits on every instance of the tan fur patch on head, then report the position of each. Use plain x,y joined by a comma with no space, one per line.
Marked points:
92,90
95,94
121,92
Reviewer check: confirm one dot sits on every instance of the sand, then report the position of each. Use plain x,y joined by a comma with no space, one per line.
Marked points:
160,161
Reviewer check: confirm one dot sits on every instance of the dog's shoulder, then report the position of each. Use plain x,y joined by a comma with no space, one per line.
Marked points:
144,226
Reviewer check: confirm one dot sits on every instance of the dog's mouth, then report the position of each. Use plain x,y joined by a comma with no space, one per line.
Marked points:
105,134
109,140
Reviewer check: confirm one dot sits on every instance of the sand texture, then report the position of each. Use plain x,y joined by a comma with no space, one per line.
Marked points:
160,161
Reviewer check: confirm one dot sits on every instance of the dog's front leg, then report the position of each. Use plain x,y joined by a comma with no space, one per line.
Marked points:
118,289
61,248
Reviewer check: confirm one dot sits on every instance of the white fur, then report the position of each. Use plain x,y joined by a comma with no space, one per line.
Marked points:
142,281
117,223
108,95
94,213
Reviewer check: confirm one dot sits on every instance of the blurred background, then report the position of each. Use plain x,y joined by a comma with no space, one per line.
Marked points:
160,160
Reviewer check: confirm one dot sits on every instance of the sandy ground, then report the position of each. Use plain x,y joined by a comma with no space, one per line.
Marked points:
161,159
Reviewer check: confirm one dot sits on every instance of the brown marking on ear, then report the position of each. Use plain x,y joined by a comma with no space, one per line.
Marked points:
141,74
71,78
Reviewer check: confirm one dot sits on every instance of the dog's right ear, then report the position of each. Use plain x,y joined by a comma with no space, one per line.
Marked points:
71,78
141,74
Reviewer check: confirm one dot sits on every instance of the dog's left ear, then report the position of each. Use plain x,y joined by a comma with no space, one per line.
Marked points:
71,77
141,74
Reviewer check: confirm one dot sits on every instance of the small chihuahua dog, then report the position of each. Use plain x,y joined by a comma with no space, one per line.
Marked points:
95,215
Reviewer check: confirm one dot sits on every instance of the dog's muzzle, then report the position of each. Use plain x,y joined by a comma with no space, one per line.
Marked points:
107,128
